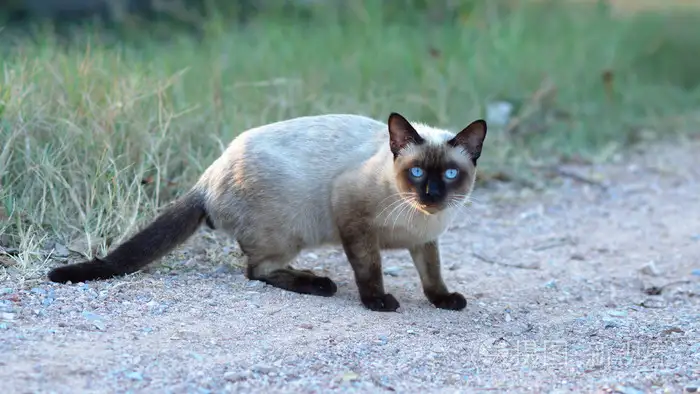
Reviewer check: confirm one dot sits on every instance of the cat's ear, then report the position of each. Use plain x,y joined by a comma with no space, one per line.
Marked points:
471,139
401,133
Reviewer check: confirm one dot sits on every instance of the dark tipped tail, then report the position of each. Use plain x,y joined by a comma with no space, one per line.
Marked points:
172,227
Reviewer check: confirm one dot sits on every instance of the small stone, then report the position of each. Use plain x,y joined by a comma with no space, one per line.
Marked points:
693,387
264,369
611,323
628,390
37,290
695,272
392,271
6,290
671,331
312,256
197,356
134,375
650,269
349,376
616,313
60,250
95,320
91,316
552,284
508,318
7,316
232,376
306,326
225,269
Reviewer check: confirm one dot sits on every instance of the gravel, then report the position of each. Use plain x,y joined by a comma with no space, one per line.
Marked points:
561,298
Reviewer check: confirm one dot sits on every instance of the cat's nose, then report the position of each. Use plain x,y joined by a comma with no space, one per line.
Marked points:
432,194
433,190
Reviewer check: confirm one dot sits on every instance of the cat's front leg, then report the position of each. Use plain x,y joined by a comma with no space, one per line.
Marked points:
426,258
361,246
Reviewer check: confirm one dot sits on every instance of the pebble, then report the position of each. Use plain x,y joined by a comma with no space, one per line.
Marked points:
37,290
7,316
6,290
60,250
617,313
552,284
695,272
611,323
91,316
134,375
260,368
392,271
650,269
628,390
95,320
693,387
306,326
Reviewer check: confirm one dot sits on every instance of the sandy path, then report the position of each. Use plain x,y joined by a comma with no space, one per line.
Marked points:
571,315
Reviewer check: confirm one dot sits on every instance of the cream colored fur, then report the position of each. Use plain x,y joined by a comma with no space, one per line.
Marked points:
281,187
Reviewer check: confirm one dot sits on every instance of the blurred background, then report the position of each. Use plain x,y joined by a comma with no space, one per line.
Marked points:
109,108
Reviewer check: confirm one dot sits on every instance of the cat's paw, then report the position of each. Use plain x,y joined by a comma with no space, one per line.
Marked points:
323,286
383,303
452,301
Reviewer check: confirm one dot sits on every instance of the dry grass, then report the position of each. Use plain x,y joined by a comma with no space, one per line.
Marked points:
97,136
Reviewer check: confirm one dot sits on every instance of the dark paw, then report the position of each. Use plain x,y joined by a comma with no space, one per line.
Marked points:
452,301
323,286
383,303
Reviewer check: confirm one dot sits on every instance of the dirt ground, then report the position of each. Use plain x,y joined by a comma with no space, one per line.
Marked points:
588,287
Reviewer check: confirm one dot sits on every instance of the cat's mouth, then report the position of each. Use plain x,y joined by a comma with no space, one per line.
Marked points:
430,208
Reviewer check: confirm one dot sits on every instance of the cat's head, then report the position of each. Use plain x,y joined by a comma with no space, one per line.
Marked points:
434,169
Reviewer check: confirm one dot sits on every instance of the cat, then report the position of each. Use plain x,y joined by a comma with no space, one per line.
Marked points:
334,179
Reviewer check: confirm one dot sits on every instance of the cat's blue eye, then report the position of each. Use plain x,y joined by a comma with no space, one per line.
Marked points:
451,173
417,172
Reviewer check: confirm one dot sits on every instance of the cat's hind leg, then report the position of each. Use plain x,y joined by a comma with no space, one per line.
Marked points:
275,270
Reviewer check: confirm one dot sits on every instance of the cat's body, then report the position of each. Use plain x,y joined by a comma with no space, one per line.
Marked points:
306,179
315,180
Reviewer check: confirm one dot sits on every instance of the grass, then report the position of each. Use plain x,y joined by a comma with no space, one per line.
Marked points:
96,136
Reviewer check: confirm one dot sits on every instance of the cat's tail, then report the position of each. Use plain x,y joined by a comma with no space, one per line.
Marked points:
172,227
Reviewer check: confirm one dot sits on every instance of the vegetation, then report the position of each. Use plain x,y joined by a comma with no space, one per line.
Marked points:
98,132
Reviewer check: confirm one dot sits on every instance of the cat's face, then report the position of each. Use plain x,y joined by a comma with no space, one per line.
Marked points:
434,172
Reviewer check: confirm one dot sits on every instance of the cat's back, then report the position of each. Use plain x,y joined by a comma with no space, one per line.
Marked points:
310,148
315,137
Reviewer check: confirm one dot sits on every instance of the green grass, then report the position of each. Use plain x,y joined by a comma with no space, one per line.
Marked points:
83,125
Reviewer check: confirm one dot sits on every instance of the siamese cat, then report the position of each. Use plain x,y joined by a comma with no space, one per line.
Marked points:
334,179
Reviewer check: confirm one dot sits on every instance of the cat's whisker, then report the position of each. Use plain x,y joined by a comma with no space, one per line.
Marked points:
405,206
398,208
394,204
